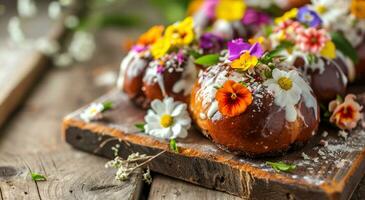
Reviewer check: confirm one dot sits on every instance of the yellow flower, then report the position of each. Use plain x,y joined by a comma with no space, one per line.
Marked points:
194,6
181,33
329,50
151,36
288,15
358,8
230,10
160,48
245,62
254,40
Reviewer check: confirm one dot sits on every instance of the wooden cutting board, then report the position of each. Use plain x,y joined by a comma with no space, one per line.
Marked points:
332,170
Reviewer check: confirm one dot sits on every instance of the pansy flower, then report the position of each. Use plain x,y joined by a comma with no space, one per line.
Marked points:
160,48
346,114
181,33
244,55
233,98
151,36
230,10
309,17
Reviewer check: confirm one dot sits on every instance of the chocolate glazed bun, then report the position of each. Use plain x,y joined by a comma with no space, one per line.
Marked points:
131,74
262,129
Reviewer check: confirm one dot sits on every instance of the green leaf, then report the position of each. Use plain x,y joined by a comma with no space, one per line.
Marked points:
107,105
343,45
173,146
207,60
37,177
194,53
140,127
281,166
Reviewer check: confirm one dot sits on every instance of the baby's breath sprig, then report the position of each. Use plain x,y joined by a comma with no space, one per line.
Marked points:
127,167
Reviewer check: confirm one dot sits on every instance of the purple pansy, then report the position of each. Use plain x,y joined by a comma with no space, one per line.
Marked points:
238,46
254,17
211,43
309,17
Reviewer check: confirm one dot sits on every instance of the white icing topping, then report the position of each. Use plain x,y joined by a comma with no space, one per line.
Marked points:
138,64
187,80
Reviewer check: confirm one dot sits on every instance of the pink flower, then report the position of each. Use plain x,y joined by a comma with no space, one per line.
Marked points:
289,29
312,40
347,114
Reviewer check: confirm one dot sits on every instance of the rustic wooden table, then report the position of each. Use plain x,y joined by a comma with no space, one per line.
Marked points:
31,140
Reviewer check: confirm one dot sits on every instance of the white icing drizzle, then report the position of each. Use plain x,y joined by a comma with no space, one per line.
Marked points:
187,80
349,65
132,59
213,108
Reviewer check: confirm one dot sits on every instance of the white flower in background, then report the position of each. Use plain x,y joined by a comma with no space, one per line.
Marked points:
93,112
27,8
167,119
259,4
71,21
62,60
54,10
47,46
82,46
330,10
15,30
66,3
287,91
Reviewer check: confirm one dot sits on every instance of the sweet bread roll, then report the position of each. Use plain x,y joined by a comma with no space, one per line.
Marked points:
256,112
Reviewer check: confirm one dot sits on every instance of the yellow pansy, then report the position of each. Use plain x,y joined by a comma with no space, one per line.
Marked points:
329,50
181,33
230,10
288,15
254,40
245,62
358,8
160,48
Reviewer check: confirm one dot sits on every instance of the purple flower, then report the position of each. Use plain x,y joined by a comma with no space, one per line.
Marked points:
309,17
180,57
254,17
211,43
238,46
160,69
139,48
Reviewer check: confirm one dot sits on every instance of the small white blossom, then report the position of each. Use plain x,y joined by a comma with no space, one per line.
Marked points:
93,112
167,119
82,46
66,3
26,8
329,10
15,30
287,91
62,60
47,46
54,10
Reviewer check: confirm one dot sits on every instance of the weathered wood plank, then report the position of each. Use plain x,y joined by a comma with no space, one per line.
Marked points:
166,188
333,172
70,175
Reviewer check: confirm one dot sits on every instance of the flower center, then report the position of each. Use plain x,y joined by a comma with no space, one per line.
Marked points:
321,9
285,83
233,96
166,120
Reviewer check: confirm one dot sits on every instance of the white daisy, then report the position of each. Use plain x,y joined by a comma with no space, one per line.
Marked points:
27,8
287,91
82,46
93,112
167,119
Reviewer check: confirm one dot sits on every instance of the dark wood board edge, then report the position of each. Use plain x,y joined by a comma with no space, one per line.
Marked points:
239,182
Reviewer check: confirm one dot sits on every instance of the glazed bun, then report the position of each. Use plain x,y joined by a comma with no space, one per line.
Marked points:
144,79
272,122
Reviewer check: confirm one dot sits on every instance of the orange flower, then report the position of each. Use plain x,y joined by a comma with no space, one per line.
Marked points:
345,115
358,8
233,98
151,36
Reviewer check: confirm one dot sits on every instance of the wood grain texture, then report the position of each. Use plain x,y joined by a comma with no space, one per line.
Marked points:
333,172
70,175
170,189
